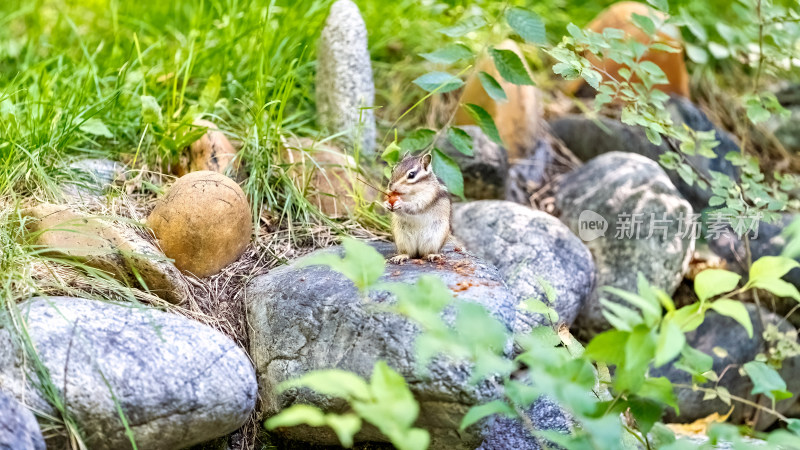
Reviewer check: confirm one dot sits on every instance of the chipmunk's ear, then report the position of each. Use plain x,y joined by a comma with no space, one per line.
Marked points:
426,161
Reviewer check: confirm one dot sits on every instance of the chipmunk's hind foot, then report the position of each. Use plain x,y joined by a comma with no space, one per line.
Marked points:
435,257
399,259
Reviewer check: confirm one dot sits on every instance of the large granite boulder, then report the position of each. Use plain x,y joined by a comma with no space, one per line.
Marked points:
633,220
177,382
485,171
345,90
528,247
308,318
18,427
590,137
721,332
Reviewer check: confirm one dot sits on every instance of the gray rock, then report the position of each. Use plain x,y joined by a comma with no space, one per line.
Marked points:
177,381
18,427
588,138
510,434
95,176
767,242
309,318
344,77
724,332
600,192
526,246
528,174
486,171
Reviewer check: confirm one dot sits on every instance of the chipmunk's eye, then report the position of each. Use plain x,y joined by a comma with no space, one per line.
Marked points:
412,174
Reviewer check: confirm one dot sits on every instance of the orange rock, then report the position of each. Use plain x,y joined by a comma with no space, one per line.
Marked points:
101,243
325,174
204,222
518,119
213,151
619,16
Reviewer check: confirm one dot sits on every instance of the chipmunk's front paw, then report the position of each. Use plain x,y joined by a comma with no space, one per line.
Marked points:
388,205
435,257
399,259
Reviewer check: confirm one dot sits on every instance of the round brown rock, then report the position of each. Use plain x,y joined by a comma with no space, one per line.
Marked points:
203,223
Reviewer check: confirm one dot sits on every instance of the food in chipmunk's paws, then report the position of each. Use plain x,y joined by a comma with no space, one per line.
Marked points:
392,198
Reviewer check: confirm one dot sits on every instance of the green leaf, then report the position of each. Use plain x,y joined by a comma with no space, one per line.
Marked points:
670,343
418,140
297,415
210,92
736,311
151,111
659,389
333,382
485,122
644,23
608,347
476,413
391,155
465,26
461,140
771,267
448,54
693,25
362,264
527,24
510,67
440,82
96,127
447,169
646,412
779,288
651,309
345,426
660,5
688,317
694,361
537,306
696,54
492,87
712,282
766,381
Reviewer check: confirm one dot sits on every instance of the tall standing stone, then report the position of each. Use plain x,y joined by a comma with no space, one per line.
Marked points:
345,90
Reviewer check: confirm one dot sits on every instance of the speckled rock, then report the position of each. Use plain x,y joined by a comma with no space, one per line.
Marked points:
592,201
510,434
344,77
307,318
18,427
204,222
177,381
528,246
101,243
724,332
486,171
586,139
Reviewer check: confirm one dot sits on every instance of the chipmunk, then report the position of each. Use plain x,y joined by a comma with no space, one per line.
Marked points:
420,204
